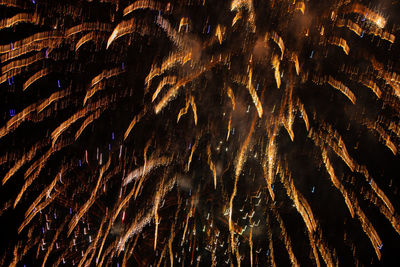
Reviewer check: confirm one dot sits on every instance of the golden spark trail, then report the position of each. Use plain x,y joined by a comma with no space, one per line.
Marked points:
341,43
354,27
88,26
342,88
191,154
183,111
337,183
108,251
124,28
300,6
304,209
38,164
42,36
138,224
11,3
104,240
52,243
46,191
251,246
152,163
275,64
303,114
175,89
229,127
38,209
135,120
232,97
194,109
288,123
156,218
295,60
54,97
94,116
142,4
28,156
130,252
91,200
168,80
374,17
86,38
96,240
212,166
279,41
383,135
286,238
21,63
15,121
238,168
38,75
172,60
254,96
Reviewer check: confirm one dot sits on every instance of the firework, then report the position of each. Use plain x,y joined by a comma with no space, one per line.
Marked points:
199,132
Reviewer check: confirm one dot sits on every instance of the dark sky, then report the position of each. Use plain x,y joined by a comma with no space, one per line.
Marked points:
94,154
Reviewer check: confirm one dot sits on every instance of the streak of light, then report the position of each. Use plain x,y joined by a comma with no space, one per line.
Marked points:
337,183
191,153
21,63
254,96
38,75
39,164
175,89
142,4
141,220
212,166
172,60
342,88
286,238
72,224
94,116
86,38
33,39
50,248
238,168
168,80
129,252
295,60
279,41
305,211
300,6
382,135
126,27
237,17
372,16
220,32
12,3
232,97
194,109
88,26
135,120
341,43
275,64
303,114
152,163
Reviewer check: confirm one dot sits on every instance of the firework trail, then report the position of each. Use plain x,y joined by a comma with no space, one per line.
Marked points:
199,132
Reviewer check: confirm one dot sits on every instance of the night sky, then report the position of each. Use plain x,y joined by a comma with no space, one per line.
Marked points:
199,132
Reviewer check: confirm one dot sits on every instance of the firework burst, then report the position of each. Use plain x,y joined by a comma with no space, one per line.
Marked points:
199,132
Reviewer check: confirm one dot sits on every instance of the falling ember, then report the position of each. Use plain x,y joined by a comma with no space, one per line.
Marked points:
207,133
